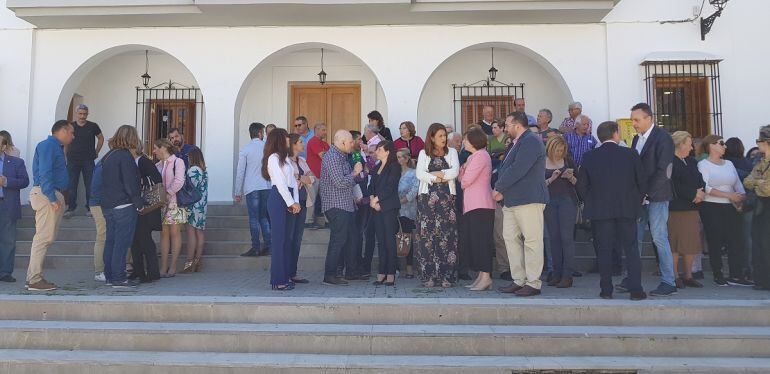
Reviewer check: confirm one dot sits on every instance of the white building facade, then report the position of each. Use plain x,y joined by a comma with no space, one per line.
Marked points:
243,61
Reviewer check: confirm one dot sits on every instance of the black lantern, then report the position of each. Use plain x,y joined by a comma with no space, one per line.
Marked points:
146,76
708,22
492,70
322,74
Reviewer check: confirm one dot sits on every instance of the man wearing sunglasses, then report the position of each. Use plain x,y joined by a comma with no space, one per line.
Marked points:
656,148
305,133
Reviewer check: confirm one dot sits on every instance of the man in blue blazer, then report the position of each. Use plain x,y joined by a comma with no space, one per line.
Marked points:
656,148
611,182
13,178
521,187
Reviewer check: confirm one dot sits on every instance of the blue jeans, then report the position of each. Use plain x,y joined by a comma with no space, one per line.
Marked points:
256,204
121,224
7,243
655,216
560,216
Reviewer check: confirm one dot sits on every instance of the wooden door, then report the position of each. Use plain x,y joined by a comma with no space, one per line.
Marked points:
473,107
339,106
165,115
682,103
74,102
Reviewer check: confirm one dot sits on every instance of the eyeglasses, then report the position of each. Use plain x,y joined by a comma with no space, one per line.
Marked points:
721,142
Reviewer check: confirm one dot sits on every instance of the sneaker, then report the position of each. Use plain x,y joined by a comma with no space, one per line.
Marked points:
124,285
663,290
99,277
42,285
719,280
334,281
69,213
739,282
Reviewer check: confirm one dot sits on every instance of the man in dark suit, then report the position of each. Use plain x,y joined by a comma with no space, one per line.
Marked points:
656,149
521,187
611,182
13,178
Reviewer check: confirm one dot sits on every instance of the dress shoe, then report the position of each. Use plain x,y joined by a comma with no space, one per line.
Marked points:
250,253
506,275
511,288
606,296
636,296
527,291
565,283
7,278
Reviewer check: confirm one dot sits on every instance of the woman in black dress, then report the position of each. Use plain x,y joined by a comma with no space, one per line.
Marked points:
143,250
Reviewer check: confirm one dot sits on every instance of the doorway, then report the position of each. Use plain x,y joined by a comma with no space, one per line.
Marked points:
337,105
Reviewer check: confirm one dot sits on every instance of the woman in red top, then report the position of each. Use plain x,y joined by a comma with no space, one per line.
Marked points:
408,140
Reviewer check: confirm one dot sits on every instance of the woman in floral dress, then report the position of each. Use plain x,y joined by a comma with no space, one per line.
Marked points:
437,169
196,215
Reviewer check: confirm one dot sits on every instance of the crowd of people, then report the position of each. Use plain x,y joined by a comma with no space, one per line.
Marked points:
505,195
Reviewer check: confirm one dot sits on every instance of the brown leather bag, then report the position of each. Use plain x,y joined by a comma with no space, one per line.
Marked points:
403,241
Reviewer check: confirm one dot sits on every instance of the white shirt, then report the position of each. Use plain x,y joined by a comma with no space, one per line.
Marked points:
720,177
248,177
643,139
282,178
426,179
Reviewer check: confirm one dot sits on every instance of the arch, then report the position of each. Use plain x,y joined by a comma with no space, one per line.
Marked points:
518,49
76,77
299,47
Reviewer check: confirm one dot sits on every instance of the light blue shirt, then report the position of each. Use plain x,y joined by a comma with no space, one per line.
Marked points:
2,167
305,139
248,177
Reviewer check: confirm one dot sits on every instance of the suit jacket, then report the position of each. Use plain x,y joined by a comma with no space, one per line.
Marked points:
385,186
657,163
18,179
520,176
610,180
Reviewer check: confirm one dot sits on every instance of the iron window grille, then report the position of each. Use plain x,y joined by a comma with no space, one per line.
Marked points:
685,95
166,106
470,99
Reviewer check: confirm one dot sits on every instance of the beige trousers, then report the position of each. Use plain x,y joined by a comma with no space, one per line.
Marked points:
46,228
526,258
501,254
101,236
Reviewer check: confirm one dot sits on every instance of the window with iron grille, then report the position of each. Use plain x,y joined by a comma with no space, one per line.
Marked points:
167,106
685,95
470,100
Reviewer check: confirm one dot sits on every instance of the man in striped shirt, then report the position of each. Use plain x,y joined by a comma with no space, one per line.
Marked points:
580,141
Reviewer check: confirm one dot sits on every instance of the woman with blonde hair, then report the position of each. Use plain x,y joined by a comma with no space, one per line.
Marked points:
683,220
172,170
561,210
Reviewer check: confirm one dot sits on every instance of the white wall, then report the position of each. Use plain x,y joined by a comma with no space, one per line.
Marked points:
738,36
267,92
109,89
16,39
541,89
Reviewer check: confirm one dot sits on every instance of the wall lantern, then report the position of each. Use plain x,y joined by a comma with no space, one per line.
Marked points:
322,74
492,70
146,76
706,23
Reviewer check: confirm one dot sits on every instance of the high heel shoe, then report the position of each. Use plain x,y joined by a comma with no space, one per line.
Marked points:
197,264
283,287
188,267
488,287
390,283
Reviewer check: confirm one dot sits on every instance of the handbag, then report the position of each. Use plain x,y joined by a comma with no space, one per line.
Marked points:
154,196
403,241
188,195
753,202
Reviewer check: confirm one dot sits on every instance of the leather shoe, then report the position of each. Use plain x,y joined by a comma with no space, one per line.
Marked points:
250,253
636,296
527,291
7,278
511,288
606,296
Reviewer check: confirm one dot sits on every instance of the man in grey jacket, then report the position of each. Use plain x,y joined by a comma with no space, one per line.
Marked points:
521,187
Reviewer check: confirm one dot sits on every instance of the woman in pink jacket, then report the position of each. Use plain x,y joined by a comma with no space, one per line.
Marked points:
478,222
173,171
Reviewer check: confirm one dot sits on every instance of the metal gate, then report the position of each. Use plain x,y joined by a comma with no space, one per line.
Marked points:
167,106
470,99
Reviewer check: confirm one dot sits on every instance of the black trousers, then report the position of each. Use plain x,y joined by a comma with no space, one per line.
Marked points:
620,232
477,246
760,233
342,229
143,251
74,169
722,225
385,228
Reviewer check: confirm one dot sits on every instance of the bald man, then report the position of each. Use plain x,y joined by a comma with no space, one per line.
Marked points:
337,183
488,116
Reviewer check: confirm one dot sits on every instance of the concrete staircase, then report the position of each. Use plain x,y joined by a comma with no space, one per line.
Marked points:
227,236
143,334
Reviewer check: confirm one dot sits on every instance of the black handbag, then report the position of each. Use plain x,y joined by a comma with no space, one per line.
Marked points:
752,201
188,195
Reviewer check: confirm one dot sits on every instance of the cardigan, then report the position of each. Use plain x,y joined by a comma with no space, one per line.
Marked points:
475,177
426,178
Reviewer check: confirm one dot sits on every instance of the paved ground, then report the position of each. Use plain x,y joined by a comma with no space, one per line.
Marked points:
245,283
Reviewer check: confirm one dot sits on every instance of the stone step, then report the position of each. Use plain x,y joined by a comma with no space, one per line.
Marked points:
138,362
210,248
492,311
213,234
83,222
215,209
307,262
375,339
